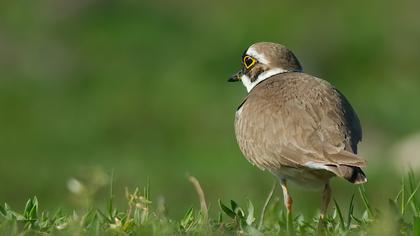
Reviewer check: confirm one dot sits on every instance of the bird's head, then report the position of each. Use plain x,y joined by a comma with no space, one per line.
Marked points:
263,60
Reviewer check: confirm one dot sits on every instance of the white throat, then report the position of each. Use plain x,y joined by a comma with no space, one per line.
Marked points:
266,74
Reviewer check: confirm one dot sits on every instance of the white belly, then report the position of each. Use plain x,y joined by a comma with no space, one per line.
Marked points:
304,177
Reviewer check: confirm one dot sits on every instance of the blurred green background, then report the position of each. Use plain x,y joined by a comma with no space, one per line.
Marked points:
139,88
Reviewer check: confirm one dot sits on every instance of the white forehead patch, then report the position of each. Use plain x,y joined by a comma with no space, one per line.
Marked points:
259,56
266,74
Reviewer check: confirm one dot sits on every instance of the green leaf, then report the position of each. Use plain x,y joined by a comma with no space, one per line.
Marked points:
234,205
226,210
3,211
238,211
250,218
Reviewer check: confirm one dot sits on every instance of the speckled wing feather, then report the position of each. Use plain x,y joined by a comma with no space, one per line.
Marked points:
295,120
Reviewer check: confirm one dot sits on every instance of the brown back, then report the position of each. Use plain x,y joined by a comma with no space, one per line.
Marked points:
292,119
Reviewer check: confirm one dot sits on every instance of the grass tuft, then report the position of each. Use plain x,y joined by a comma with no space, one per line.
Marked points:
142,216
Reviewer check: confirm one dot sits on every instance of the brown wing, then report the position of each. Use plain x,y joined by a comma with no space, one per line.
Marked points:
352,122
294,119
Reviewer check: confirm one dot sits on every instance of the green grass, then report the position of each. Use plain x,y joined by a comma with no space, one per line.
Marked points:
140,86
144,216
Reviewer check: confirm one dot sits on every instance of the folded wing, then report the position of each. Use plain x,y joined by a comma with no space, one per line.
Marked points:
300,121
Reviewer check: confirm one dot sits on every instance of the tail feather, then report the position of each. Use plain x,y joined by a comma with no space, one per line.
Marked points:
353,174
357,176
349,166
347,158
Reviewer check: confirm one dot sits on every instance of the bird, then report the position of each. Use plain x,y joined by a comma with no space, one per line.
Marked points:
295,125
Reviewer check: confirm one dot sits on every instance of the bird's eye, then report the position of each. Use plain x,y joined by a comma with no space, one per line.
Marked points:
249,62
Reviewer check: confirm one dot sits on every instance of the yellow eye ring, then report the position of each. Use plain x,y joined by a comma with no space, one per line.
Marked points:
249,62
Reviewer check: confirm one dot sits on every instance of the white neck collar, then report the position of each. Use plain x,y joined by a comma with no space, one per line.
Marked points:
266,74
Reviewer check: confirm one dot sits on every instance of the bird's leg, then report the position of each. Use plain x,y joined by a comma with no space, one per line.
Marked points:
288,204
286,196
326,197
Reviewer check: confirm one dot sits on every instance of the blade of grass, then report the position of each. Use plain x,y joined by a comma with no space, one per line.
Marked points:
402,197
33,213
413,188
267,201
365,200
111,197
289,224
187,219
412,195
146,195
350,213
146,190
340,216
398,195
201,197
356,219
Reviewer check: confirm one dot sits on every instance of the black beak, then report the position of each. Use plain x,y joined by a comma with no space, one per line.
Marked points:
236,77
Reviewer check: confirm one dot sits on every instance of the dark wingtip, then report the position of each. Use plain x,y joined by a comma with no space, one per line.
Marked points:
357,176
